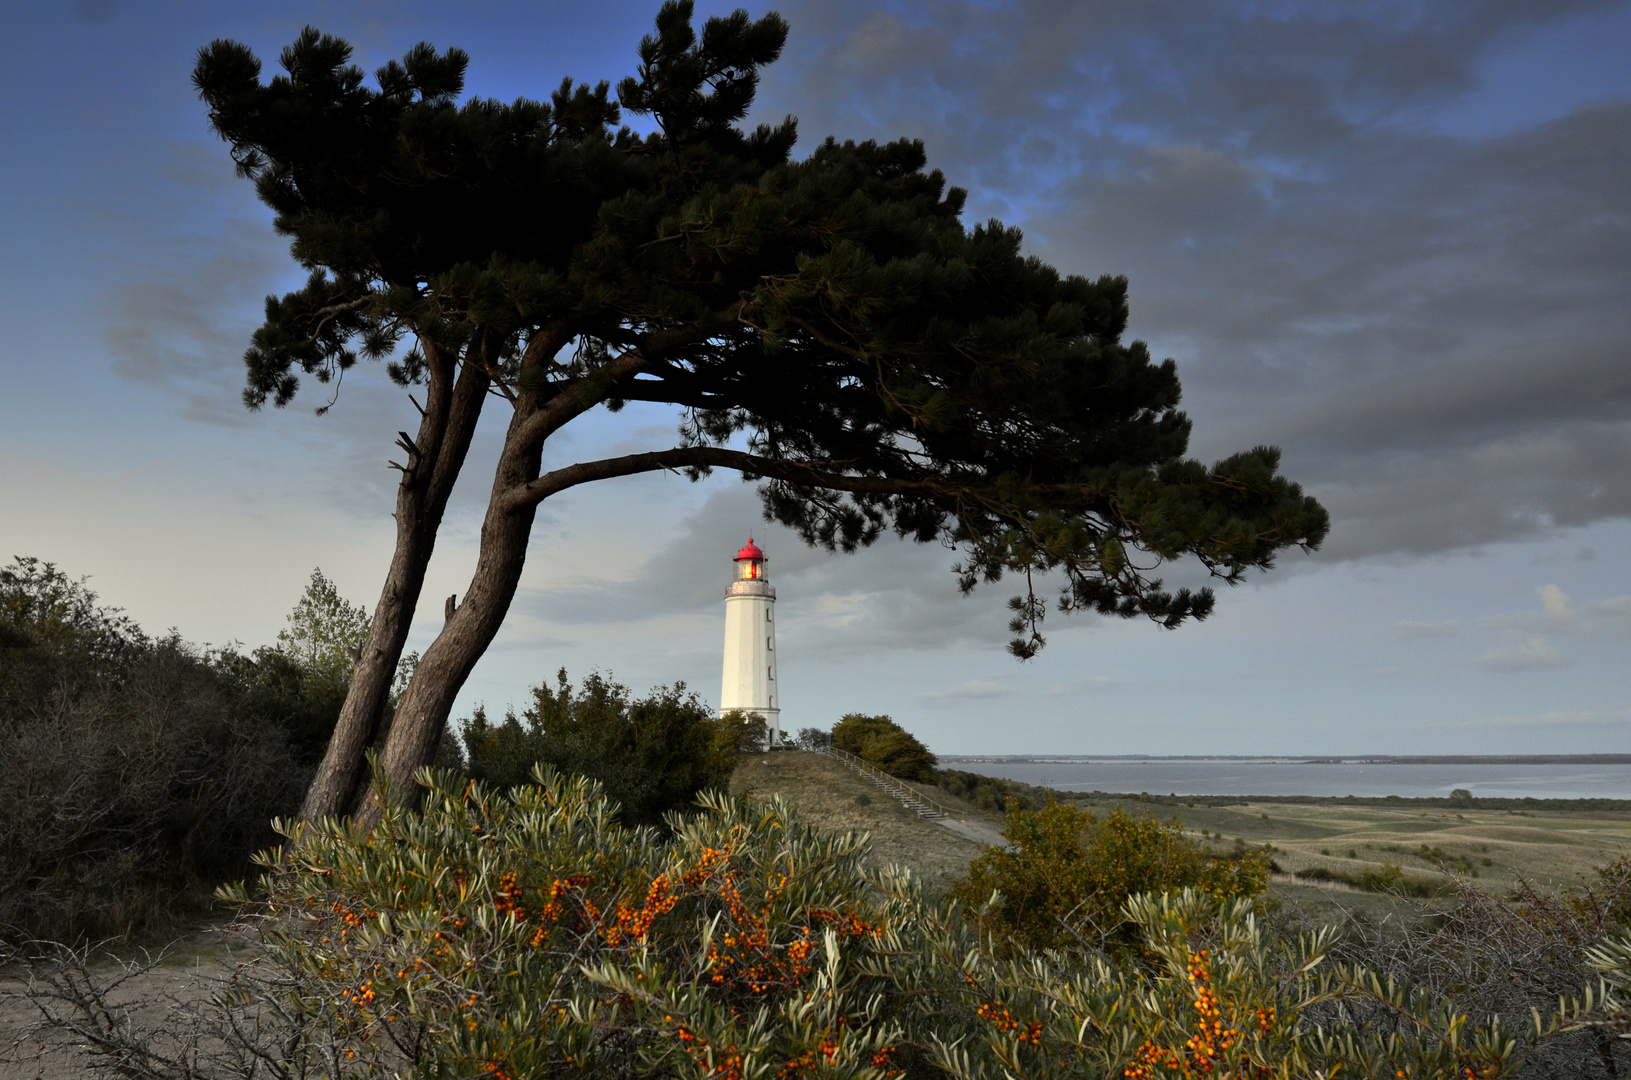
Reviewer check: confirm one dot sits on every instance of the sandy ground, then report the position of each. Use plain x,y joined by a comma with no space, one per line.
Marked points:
188,970
977,831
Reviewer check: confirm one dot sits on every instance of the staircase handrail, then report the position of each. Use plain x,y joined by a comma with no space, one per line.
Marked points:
860,764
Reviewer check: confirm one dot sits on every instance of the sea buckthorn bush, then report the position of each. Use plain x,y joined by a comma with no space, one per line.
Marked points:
526,933
1215,996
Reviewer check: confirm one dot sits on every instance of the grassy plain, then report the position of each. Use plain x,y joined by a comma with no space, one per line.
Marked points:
1429,840
1549,848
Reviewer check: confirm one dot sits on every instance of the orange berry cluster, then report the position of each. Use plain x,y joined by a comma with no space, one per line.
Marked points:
561,891
1004,1021
1265,1018
726,1066
363,994
509,896
633,924
1150,1057
349,917
846,923
1212,1038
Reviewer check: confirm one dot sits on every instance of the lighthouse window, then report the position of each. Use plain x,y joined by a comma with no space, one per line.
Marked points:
770,642
770,673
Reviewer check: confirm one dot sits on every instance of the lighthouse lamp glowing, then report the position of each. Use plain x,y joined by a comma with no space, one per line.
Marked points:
749,682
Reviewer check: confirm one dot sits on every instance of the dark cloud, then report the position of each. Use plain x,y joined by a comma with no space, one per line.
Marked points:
1434,327
182,321
180,317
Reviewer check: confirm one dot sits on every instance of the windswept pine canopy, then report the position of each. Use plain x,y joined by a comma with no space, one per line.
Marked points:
828,326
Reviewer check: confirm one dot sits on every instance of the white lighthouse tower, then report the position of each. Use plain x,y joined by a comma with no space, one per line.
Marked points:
750,642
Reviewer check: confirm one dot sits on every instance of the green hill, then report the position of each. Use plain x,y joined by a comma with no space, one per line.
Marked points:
831,797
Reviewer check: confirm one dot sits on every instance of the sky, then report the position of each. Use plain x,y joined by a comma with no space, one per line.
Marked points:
1393,239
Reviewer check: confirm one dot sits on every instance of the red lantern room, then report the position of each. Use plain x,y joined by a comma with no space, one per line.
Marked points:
752,562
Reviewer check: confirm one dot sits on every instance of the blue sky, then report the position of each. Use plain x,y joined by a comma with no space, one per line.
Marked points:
1394,239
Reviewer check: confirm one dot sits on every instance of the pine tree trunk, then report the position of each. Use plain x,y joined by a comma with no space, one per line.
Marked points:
421,715
445,430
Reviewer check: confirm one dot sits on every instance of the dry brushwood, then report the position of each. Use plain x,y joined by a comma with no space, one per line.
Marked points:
1529,959
144,1019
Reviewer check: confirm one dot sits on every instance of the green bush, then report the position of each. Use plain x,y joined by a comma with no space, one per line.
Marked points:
886,744
988,792
527,934
1065,877
652,755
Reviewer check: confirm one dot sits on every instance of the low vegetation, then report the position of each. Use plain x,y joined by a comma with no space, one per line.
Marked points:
527,933
882,742
989,793
135,772
584,906
1386,878
1066,876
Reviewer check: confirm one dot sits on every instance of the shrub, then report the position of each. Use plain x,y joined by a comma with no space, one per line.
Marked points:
1066,876
527,933
1387,878
813,739
652,755
886,744
989,792
135,774
1513,958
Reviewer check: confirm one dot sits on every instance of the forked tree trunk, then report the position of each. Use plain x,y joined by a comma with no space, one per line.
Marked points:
445,430
422,713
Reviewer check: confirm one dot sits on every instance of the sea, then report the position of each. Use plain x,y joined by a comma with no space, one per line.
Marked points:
1272,776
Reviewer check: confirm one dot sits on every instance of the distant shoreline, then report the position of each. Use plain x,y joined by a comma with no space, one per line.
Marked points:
1297,759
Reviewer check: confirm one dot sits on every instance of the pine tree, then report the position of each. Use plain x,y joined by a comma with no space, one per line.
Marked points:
828,327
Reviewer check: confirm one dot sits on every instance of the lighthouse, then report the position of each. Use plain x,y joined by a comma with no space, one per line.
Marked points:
749,683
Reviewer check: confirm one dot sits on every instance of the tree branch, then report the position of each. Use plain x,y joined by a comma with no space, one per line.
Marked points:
324,315
680,457
581,395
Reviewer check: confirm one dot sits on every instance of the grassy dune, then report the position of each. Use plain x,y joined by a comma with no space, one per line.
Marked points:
830,796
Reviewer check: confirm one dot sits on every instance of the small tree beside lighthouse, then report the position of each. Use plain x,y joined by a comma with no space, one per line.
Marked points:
749,683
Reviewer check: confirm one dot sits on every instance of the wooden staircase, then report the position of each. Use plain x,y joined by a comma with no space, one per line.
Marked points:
919,804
